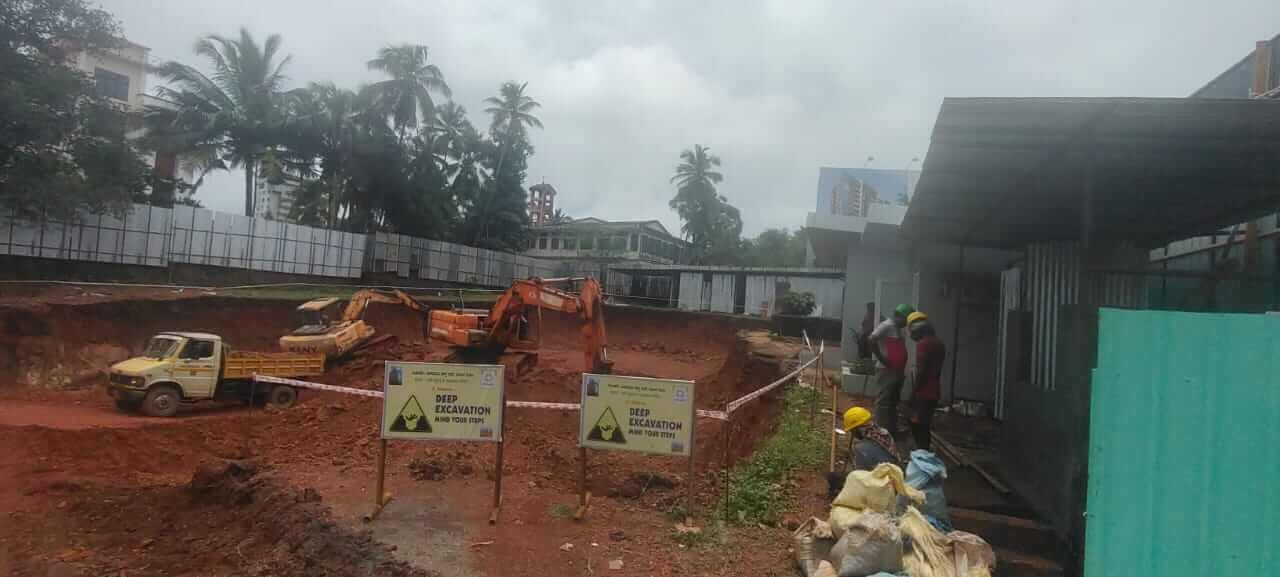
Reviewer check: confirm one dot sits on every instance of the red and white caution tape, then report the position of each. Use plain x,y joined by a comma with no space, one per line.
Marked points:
747,398
706,414
317,386
717,415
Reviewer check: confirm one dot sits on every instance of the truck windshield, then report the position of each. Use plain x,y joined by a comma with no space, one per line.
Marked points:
160,347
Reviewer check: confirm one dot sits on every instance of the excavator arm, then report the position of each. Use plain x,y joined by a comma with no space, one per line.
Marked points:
360,301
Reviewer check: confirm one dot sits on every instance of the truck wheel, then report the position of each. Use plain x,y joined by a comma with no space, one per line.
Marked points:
127,405
283,395
161,401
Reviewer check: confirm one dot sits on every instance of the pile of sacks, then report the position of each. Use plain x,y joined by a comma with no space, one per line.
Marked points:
885,524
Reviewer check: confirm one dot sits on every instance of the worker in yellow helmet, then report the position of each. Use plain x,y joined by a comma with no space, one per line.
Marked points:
869,445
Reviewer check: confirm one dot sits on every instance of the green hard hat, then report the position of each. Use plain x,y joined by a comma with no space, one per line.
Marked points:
904,310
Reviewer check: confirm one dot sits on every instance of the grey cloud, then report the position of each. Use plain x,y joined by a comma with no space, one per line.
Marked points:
776,88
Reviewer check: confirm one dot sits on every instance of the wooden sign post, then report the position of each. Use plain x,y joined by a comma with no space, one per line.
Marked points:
442,402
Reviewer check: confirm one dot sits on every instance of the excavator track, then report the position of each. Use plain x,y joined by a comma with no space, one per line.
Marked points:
516,363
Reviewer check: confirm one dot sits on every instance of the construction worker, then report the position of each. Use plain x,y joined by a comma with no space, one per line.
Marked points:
888,344
868,325
927,377
869,445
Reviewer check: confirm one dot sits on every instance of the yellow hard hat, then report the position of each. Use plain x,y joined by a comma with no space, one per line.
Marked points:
916,316
856,417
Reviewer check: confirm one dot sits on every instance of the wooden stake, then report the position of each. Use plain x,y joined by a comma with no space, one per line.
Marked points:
497,464
813,402
835,418
693,445
380,498
584,498
728,434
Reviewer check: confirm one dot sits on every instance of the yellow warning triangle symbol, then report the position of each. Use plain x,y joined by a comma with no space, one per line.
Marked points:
411,418
607,429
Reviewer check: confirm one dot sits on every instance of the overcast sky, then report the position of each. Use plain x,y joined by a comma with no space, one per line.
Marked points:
775,88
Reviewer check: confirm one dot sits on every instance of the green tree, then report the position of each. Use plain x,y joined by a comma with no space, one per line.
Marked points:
711,225
62,146
512,113
490,179
465,150
776,247
232,118
310,204
323,124
407,93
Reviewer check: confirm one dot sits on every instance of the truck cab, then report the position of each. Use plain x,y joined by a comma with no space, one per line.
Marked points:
173,366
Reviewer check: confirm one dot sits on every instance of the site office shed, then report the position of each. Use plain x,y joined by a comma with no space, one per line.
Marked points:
1083,188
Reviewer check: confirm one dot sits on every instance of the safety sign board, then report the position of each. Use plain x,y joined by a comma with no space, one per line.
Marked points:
442,401
636,414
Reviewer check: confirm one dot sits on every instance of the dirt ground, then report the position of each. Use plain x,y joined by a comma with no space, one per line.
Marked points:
222,490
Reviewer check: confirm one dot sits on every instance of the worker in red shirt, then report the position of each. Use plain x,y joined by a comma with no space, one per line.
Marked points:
927,384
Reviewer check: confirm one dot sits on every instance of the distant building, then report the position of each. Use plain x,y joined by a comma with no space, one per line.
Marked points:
1257,75
120,74
596,240
854,191
850,203
274,200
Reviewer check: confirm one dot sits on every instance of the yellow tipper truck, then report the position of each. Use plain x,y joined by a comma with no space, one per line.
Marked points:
180,367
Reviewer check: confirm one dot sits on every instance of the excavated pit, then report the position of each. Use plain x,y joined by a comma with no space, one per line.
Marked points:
48,348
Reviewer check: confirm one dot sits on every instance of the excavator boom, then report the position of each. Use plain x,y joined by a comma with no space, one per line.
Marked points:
360,301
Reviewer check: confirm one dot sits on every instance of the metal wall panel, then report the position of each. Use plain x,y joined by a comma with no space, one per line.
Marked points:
1053,279
760,294
691,291
721,297
1183,441
1010,300
139,238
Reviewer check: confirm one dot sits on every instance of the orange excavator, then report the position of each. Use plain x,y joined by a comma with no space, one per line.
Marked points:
509,331
320,334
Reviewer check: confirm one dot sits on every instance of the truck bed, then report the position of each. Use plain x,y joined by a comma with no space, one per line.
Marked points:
243,364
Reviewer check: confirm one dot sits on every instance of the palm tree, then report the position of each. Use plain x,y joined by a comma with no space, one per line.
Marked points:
230,119
408,90
512,111
696,166
696,201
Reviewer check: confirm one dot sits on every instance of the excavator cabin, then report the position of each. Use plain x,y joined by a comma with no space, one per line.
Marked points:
318,332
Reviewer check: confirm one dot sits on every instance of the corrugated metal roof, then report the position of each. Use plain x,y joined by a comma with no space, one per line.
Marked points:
1002,172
